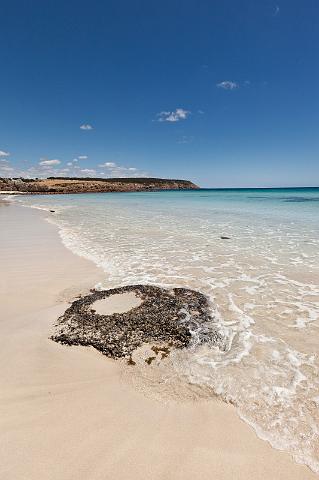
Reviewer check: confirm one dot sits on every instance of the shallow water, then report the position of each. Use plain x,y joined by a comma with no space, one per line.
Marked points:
263,283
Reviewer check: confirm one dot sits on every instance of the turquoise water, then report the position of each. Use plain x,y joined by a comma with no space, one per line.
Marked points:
263,283
284,200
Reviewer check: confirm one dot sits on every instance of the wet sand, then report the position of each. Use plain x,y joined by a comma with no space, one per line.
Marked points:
118,303
71,413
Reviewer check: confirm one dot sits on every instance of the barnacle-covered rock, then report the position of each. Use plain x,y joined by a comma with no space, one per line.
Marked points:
164,316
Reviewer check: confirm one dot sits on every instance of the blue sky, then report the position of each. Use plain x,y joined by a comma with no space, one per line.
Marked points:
222,93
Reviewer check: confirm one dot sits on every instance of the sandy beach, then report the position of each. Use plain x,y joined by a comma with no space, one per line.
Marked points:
71,413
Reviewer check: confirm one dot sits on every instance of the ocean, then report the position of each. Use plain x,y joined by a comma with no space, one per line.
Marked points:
262,281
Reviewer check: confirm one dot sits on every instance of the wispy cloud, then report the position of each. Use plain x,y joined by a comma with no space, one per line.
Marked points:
48,163
45,168
227,85
277,11
4,154
54,168
86,126
108,165
112,169
82,157
88,171
174,116
6,169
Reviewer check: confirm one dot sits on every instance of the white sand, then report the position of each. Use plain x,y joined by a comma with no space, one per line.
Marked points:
118,303
69,413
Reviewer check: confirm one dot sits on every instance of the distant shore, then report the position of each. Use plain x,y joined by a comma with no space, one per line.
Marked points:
63,185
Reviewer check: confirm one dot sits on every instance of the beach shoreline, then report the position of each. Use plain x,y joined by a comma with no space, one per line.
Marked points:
69,411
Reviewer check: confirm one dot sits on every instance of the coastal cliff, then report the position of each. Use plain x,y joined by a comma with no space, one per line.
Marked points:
55,185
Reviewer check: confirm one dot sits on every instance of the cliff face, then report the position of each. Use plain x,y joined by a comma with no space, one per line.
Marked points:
54,185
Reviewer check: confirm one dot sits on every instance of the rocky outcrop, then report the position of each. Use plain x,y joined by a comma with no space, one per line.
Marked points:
166,317
54,185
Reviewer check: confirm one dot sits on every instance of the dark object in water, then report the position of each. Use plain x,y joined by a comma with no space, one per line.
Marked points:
164,316
300,199
223,237
149,360
131,361
164,351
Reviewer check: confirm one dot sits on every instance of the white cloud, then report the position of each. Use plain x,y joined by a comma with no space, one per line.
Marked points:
108,165
86,126
38,170
115,170
48,163
175,116
88,171
80,157
6,168
4,154
227,85
52,168
277,10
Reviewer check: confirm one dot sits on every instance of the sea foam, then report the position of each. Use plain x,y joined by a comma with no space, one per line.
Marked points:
263,286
